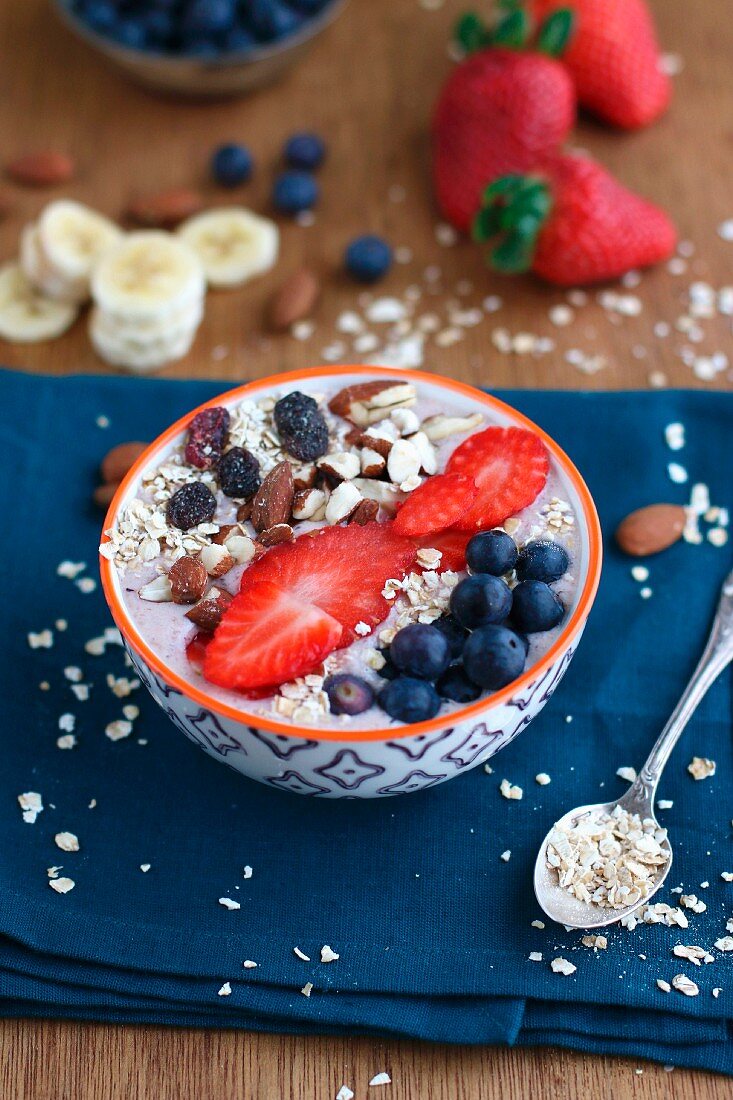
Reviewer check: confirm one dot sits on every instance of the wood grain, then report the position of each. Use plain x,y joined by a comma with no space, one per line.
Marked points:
368,86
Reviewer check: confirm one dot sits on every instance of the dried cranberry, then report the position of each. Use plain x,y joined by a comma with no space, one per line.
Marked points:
190,505
239,473
207,435
301,426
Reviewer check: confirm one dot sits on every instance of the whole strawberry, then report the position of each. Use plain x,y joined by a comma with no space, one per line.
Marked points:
613,56
501,110
571,223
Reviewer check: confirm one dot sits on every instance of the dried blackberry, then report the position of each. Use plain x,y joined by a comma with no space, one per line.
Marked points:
239,473
300,424
207,436
190,505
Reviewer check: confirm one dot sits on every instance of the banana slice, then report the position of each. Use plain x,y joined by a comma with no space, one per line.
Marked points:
39,272
233,244
135,354
148,275
72,238
145,335
26,316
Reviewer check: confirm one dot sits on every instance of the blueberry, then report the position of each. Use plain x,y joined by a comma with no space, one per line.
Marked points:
130,33
159,26
536,607
294,192
348,694
368,259
310,7
306,151
231,165
206,17
239,473
100,16
456,686
480,599
409,699
238,38
543,560
492,552
454,632
271,19
493,656
420,650
195,46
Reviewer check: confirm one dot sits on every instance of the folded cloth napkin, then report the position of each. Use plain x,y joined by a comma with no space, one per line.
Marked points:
434,930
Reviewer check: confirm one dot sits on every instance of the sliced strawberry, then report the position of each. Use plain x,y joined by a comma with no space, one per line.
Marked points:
342,570
436,504
452,545
267,636
509,466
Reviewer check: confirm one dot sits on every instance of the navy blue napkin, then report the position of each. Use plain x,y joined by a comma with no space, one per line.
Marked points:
433,929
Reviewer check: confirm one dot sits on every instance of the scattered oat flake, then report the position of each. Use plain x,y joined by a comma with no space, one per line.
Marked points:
247,871
249,964
509,790
66,741
691,901
598,943
328,955
43,639
67,842
70,569
538,924
542,778
307,989
301,954
674,435
716,992
727,876
725,230
678,474
664,986
562,966
31,803
131,712
225,991
53,872
645,593
380,1079
725,943
86,585
701,768
61,885
229,903
145,867
535,956
67,723
629,774
640,573
665,804
685,985
693,954
118,729
345,1093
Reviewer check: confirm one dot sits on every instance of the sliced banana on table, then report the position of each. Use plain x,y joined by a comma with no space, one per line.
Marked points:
126,348
232,243
150,274
27,316
60,250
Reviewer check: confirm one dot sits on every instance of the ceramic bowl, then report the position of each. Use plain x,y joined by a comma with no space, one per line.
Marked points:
391,760
225,74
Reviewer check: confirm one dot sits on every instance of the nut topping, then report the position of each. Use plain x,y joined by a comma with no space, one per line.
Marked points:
157,591
119,460
373,464
368,402
281,532
404,461
307,502
365,512
188,580
342,502
273,501
441,426
295,299
216,560
207,613
341,466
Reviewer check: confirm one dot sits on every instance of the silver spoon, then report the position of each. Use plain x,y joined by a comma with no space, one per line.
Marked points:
557,902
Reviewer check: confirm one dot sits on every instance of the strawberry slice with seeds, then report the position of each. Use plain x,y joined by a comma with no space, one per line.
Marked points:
436,504
342,570
268,635
452,545
509,466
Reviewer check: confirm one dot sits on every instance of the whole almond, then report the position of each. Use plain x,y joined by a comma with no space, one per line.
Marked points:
102,495
651,529
46,168
273,501
207,613
166,209
244,511
188,579
295,299
119,460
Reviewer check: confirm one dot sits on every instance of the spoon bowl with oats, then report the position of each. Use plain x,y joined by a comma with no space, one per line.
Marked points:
600,863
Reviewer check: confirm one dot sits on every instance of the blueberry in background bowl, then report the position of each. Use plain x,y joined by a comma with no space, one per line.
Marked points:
200,47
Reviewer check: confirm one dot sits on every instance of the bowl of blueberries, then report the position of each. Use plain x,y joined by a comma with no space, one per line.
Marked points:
200,47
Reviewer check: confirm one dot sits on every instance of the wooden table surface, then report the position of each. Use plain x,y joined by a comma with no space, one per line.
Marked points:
368,87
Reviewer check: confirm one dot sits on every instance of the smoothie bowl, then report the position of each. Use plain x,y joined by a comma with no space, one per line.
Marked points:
352,582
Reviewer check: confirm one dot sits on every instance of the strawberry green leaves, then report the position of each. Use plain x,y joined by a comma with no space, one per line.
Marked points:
514,209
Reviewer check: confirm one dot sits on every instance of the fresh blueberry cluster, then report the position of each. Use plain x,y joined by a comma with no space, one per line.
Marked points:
294,190
201,28
482,644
